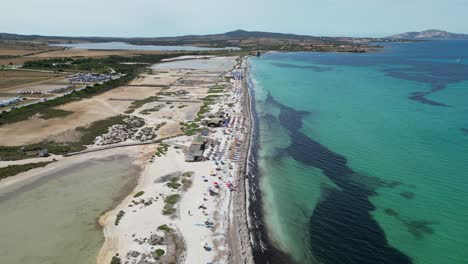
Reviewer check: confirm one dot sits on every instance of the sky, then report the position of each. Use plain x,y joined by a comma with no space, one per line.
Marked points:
155,18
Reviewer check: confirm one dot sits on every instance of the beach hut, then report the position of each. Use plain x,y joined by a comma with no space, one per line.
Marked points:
196,149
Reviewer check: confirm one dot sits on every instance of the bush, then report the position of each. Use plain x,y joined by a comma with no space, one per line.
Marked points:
187,174
172,199
174,183
168,210
138,194
161,150
164,228
158,253
116,260
186,183
53,112
119,217
12,170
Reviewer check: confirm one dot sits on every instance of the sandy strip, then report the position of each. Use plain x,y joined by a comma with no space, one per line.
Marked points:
142,215
239,232
141,221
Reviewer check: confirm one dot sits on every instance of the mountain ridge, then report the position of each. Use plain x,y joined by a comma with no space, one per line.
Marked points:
429,34
239,33
238,38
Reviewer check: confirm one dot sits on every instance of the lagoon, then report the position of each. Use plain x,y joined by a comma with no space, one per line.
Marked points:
54,220
127,46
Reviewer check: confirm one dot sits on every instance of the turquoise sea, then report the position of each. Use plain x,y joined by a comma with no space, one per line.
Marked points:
363,158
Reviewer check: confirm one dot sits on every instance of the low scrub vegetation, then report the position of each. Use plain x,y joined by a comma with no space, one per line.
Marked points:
12,170
53,112
164,228
174,183
170,202
138,194
158,253
216,89
116,260
190,128
207,102
162,150
119,217
139,103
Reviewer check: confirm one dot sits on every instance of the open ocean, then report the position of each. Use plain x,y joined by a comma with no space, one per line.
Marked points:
362,158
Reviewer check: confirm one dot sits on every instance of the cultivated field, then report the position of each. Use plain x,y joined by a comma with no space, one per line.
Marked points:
12,79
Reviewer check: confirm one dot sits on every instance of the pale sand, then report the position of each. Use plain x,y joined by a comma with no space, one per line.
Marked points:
142,221
146,219
188,57
213,64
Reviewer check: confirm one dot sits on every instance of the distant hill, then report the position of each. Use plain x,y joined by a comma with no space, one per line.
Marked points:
236,34
429,34
239,38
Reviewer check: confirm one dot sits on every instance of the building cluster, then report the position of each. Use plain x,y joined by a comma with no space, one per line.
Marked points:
10,101
83,78
220,119
61,89
236,74
29,92
195,150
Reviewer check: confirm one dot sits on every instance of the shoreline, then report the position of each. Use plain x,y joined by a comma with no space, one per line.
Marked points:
264,250
239,227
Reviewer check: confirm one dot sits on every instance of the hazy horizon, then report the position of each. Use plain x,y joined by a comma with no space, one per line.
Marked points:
213,33
158,18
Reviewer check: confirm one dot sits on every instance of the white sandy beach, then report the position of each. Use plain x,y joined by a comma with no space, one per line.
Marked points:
196,207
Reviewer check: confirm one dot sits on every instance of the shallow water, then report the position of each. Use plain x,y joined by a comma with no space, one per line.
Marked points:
54,220
363,157
213,64
126,46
